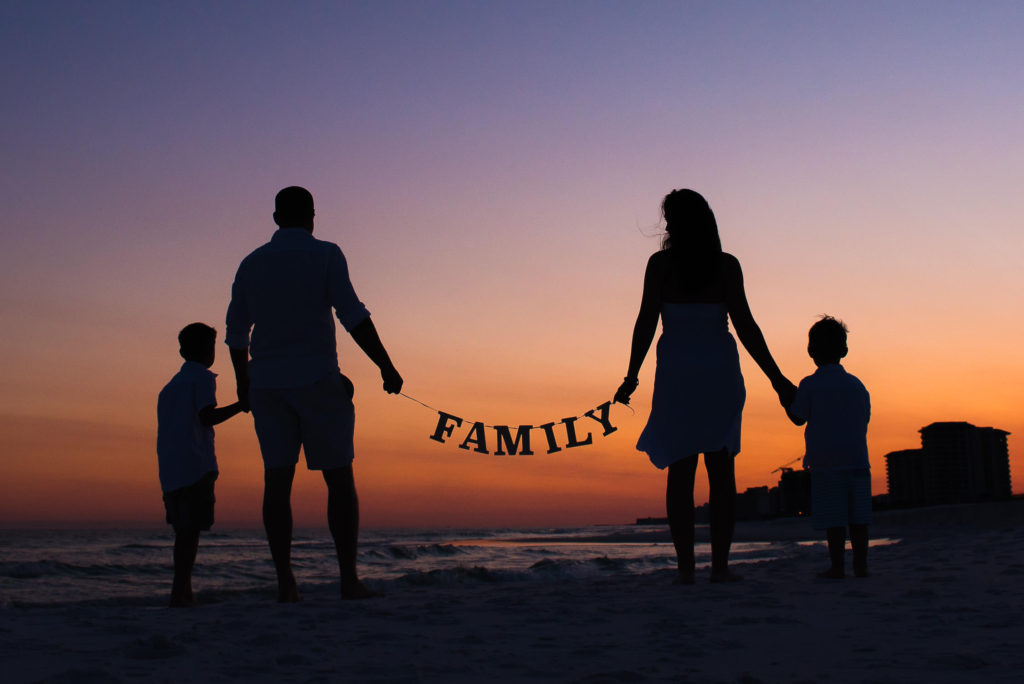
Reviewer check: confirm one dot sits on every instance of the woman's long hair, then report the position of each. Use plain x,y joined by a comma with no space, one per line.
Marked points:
691,235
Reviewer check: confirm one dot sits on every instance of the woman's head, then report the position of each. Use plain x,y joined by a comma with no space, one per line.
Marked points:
690,224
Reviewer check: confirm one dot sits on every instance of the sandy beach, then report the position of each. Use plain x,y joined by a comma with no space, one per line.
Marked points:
945,604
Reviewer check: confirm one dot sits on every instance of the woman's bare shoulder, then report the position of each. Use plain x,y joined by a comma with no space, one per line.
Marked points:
731,266
659,262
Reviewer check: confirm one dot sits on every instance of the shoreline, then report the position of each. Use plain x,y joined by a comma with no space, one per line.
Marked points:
945,604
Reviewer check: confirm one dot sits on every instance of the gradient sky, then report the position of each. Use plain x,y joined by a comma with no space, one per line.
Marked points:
493,173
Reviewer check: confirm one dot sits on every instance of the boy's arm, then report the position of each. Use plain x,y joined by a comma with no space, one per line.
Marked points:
212,415
798,409
240,362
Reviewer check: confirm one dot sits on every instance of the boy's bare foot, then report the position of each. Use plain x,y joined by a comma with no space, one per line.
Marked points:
354,591
724,576
832,573
861,571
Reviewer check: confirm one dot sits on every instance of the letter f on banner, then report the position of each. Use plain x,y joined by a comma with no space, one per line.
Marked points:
443,428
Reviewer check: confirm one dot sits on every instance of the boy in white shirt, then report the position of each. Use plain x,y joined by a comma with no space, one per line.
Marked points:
186,413
836,407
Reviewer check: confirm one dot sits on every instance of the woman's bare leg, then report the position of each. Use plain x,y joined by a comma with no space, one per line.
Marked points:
722,510
679,507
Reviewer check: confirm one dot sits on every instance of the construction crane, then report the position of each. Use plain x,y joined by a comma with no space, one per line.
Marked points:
788,463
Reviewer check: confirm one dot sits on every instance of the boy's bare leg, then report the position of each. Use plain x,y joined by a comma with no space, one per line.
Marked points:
722,510
343,520
277,521
186,545
679,508
836,552
859,542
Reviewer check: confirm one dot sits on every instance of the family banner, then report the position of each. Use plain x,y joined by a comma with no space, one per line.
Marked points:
502,440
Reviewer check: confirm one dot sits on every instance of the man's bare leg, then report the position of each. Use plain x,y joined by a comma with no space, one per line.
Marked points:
343,520
186,544
277,521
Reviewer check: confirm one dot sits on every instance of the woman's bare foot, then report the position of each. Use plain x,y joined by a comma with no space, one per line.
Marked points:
724,576
832,573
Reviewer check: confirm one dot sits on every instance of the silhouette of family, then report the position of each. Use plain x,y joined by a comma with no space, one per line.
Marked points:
281,335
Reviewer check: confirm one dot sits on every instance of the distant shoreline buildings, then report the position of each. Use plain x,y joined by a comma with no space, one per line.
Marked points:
957,463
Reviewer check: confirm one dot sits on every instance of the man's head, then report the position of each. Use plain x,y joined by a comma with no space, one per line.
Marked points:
197,343
826,341
293,208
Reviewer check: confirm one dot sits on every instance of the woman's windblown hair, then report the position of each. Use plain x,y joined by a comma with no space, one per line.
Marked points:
691,233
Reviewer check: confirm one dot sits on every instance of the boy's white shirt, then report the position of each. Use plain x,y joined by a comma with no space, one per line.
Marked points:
837,408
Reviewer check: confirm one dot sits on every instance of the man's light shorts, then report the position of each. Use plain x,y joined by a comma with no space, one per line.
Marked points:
840,498
320,418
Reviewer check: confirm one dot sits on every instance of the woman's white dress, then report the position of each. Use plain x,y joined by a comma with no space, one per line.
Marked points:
698,388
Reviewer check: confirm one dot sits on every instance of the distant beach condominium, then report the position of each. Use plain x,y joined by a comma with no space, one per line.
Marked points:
957,463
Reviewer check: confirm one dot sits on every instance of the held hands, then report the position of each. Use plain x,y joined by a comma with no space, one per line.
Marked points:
392,380
243,396
626,390
786,391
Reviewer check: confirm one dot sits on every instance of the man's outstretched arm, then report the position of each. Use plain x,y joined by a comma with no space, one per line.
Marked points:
365,335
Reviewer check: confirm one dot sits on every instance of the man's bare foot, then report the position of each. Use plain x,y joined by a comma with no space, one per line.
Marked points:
354,591
288,591
181,602
832,573
684,578
861,571
724,576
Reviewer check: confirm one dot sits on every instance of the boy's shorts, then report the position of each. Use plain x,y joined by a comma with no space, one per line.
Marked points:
190,509
840,498
319,418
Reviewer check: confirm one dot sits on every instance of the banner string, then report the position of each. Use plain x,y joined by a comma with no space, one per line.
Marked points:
428,406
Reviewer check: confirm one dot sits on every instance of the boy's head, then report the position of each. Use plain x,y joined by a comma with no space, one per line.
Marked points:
197,343
826,341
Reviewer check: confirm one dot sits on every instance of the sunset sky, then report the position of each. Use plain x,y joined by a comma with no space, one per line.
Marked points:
492,171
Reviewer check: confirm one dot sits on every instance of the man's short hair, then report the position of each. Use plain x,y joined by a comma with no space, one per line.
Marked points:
195,339
827,338
293,204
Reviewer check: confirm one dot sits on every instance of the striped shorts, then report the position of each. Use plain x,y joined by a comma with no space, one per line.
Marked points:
840,498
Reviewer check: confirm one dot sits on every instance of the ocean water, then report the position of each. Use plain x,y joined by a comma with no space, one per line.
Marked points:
133,566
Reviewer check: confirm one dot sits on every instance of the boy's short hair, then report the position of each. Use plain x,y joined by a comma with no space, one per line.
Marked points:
195,339
827,339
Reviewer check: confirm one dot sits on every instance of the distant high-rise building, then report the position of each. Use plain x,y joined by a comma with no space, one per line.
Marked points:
796,491
957,462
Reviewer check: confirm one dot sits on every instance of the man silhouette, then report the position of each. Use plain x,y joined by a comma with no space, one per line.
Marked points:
288,374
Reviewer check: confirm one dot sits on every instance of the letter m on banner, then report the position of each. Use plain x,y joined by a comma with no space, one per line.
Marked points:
505,440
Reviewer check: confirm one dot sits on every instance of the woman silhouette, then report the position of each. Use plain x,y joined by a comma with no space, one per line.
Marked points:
698,388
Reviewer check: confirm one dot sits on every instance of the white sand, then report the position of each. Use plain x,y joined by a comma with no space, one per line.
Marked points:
944,605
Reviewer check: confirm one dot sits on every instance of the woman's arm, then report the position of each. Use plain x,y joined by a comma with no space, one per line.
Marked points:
646,324
748,331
